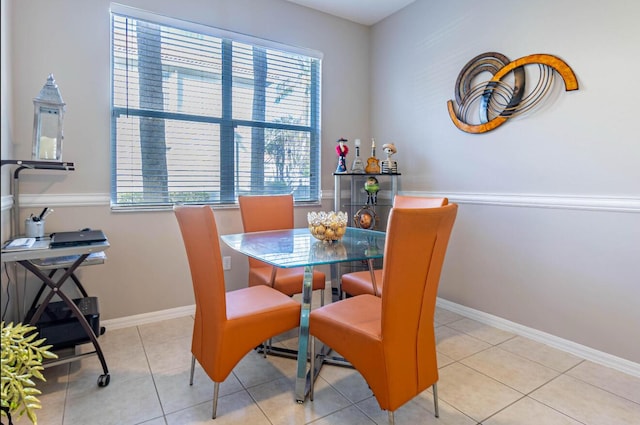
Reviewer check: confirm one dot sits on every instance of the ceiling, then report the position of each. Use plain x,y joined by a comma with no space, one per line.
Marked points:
366,12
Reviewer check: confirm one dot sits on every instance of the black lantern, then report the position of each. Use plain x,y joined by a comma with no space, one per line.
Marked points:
47,123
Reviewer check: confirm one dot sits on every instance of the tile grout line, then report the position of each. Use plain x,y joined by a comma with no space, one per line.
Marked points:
594,385
153,379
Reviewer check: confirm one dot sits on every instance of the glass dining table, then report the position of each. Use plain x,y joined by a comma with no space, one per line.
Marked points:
298,248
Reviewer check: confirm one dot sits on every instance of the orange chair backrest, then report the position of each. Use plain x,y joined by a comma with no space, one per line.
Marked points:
402,201
415,249
200,237
265,212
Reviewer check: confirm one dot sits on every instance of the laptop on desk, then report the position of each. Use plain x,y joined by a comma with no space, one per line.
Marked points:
76,238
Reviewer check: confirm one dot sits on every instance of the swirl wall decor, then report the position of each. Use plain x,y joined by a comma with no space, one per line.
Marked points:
498,100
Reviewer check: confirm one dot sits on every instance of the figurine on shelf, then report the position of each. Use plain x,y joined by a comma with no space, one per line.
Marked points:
358,166
366,218
373,165
389,166
372,186
342,150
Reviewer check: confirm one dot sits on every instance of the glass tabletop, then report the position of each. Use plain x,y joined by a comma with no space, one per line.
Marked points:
297,247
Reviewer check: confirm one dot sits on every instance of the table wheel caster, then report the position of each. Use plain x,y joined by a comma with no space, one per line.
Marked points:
103,380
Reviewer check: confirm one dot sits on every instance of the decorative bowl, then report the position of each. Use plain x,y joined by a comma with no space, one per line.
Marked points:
327,226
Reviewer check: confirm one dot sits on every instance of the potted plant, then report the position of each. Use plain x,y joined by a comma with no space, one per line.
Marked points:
22,356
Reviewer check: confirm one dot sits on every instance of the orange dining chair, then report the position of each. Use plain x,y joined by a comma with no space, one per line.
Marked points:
358,283
390,340
227,325
274,212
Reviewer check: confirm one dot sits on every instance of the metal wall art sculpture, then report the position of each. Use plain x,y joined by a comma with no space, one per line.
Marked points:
497,100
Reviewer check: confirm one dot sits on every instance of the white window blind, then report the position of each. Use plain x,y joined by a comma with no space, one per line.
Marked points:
201,115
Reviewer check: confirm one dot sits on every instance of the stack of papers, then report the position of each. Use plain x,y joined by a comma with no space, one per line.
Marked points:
21,243
25,244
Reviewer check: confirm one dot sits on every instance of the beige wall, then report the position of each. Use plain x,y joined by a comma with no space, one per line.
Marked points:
548,232
536,242
146,270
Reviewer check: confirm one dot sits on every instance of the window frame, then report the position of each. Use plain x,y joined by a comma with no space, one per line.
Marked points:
227,181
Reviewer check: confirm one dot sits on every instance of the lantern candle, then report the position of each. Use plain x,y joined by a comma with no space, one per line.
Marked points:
47,147
48,111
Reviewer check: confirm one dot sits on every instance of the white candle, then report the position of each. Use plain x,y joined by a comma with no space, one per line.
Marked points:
48,147
357,142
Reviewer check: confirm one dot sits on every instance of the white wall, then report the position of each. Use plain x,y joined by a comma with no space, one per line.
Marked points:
538,240
146,270
5,127
5,110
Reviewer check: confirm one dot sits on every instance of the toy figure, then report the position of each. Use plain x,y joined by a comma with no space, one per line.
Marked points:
342,150
389,166
372,186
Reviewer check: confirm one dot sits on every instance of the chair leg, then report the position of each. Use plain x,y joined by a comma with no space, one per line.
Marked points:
216,387
266,346
392,419
312,360
322,298
193,368
435,399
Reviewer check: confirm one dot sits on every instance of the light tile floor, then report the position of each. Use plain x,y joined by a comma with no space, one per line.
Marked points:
487,376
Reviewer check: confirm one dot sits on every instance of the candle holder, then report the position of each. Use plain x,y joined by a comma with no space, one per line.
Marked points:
48,110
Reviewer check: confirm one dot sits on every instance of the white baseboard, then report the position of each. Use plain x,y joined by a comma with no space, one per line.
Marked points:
146,318
579,350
